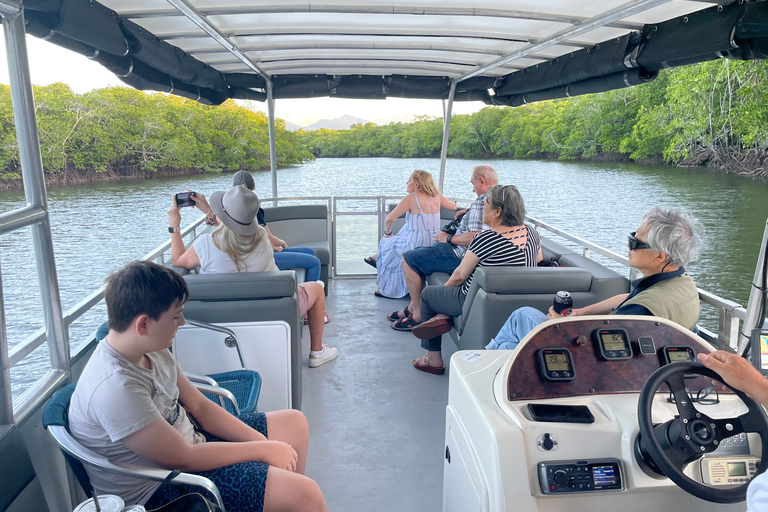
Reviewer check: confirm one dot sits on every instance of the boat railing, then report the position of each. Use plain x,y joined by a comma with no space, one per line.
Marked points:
729,313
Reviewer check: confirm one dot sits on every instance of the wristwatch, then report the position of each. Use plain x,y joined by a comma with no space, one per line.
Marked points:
448,240
176,229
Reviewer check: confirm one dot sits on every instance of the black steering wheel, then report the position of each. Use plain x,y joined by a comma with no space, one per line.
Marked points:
691,434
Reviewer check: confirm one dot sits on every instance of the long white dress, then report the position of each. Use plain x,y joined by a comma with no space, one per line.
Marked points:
418,231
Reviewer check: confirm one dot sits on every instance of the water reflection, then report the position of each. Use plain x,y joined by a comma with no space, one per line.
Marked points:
99,227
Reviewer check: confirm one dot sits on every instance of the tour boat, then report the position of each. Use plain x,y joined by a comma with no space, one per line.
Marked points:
567,421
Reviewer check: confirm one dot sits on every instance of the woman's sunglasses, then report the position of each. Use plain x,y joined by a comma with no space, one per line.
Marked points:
635,244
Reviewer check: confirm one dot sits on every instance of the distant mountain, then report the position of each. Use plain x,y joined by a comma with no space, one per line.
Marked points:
340,123
292,127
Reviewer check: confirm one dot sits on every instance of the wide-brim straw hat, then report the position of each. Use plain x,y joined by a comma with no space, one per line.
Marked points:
237,208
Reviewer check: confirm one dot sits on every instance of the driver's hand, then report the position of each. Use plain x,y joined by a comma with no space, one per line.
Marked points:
739,373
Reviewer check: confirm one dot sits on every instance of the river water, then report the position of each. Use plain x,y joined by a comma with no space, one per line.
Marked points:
99,227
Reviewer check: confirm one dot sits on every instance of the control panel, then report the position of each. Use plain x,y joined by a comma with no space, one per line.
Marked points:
728,470
563,477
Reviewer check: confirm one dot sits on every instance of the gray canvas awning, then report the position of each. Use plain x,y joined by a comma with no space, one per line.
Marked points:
506,52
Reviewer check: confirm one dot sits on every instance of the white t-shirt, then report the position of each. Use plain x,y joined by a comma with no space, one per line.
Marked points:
757,494
113,399
215,261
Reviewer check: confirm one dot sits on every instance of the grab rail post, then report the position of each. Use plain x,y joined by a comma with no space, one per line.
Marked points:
23,102
272,150
448,109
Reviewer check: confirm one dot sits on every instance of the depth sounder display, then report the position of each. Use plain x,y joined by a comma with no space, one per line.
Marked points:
612,344
556,364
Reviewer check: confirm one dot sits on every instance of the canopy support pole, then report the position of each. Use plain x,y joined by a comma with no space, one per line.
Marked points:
756,304
23,103
272,150
447,110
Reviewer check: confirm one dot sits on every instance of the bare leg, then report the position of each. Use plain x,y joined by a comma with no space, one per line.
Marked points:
292,492
290,426
315,314
415,284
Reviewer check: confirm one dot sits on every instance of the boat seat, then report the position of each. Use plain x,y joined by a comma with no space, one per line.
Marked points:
20,489
56,421
243,386
496,292
303,226
250,297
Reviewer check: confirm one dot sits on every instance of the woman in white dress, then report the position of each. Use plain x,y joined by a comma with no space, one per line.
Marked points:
422,222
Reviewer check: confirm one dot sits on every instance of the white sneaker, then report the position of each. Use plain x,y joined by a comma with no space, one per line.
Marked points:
328,354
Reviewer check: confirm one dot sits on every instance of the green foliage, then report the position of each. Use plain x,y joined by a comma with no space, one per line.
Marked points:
706,107
126,131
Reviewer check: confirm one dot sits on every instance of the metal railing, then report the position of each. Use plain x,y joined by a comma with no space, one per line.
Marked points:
730,313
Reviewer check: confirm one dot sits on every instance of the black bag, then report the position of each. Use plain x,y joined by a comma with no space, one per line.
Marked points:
193,502
452,226
551,263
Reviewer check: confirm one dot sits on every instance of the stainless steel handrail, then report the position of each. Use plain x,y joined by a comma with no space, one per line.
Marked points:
730,313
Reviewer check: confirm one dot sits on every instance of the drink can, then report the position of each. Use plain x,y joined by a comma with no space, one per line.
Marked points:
563,303
107,503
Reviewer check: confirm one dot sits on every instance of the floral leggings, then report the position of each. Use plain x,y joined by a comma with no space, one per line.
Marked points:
241,485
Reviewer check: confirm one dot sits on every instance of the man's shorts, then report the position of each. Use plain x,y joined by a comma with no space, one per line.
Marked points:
435,258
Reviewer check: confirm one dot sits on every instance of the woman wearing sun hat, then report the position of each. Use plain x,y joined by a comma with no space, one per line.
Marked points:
240,244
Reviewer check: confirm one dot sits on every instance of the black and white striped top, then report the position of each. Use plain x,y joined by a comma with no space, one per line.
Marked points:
494,250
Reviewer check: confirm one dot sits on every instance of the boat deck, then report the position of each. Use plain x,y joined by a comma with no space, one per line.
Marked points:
376,424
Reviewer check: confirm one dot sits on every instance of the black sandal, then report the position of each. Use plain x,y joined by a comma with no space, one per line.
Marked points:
394,317
404,324
369,260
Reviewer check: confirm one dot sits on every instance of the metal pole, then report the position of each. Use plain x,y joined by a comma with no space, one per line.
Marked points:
6,399
34,188
756,294
272,151
446,129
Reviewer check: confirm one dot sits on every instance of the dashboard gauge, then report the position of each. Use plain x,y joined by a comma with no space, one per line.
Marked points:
613,344
556,364
675,353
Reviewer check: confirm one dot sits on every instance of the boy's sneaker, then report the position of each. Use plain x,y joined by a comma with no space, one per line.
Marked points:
328,354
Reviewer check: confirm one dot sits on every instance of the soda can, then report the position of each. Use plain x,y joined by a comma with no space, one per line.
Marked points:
563,303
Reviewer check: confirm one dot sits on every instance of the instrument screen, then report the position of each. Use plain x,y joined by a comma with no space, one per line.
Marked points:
613,344
674,354
556,364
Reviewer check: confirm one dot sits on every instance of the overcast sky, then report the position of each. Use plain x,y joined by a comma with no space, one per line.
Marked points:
50,63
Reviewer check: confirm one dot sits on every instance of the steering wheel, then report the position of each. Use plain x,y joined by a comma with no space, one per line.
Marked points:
691,434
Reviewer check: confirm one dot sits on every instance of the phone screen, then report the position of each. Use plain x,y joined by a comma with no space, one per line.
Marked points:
184,199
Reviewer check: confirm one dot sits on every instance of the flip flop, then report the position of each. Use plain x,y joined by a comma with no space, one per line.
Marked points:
422,364
378,294
404,324
394,317
369,260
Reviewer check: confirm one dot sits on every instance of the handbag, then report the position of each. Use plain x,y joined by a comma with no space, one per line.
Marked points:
192,502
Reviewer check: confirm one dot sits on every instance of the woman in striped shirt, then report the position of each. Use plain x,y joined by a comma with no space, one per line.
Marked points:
509,242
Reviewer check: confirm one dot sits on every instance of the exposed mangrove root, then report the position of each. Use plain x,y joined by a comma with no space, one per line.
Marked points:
744,162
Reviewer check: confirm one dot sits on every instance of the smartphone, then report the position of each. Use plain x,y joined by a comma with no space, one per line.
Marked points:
184,199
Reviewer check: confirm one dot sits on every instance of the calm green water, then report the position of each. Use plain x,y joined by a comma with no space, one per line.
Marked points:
99,227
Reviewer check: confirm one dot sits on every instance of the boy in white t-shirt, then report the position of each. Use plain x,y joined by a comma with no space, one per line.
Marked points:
134,405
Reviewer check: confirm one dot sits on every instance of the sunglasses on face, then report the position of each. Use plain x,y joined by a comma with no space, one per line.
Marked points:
635,244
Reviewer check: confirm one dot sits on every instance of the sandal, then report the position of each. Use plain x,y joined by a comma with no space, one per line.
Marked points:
423,365
394,317
404,324
369,260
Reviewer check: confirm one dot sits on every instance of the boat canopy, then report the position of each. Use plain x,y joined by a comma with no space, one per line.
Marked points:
502,52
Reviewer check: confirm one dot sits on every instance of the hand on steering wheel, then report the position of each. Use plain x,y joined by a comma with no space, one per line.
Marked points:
674,444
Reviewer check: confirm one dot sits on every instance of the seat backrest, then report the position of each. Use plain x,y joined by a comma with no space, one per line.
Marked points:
56,413
298,224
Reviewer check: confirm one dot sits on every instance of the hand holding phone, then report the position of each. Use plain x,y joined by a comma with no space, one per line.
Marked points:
185,199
